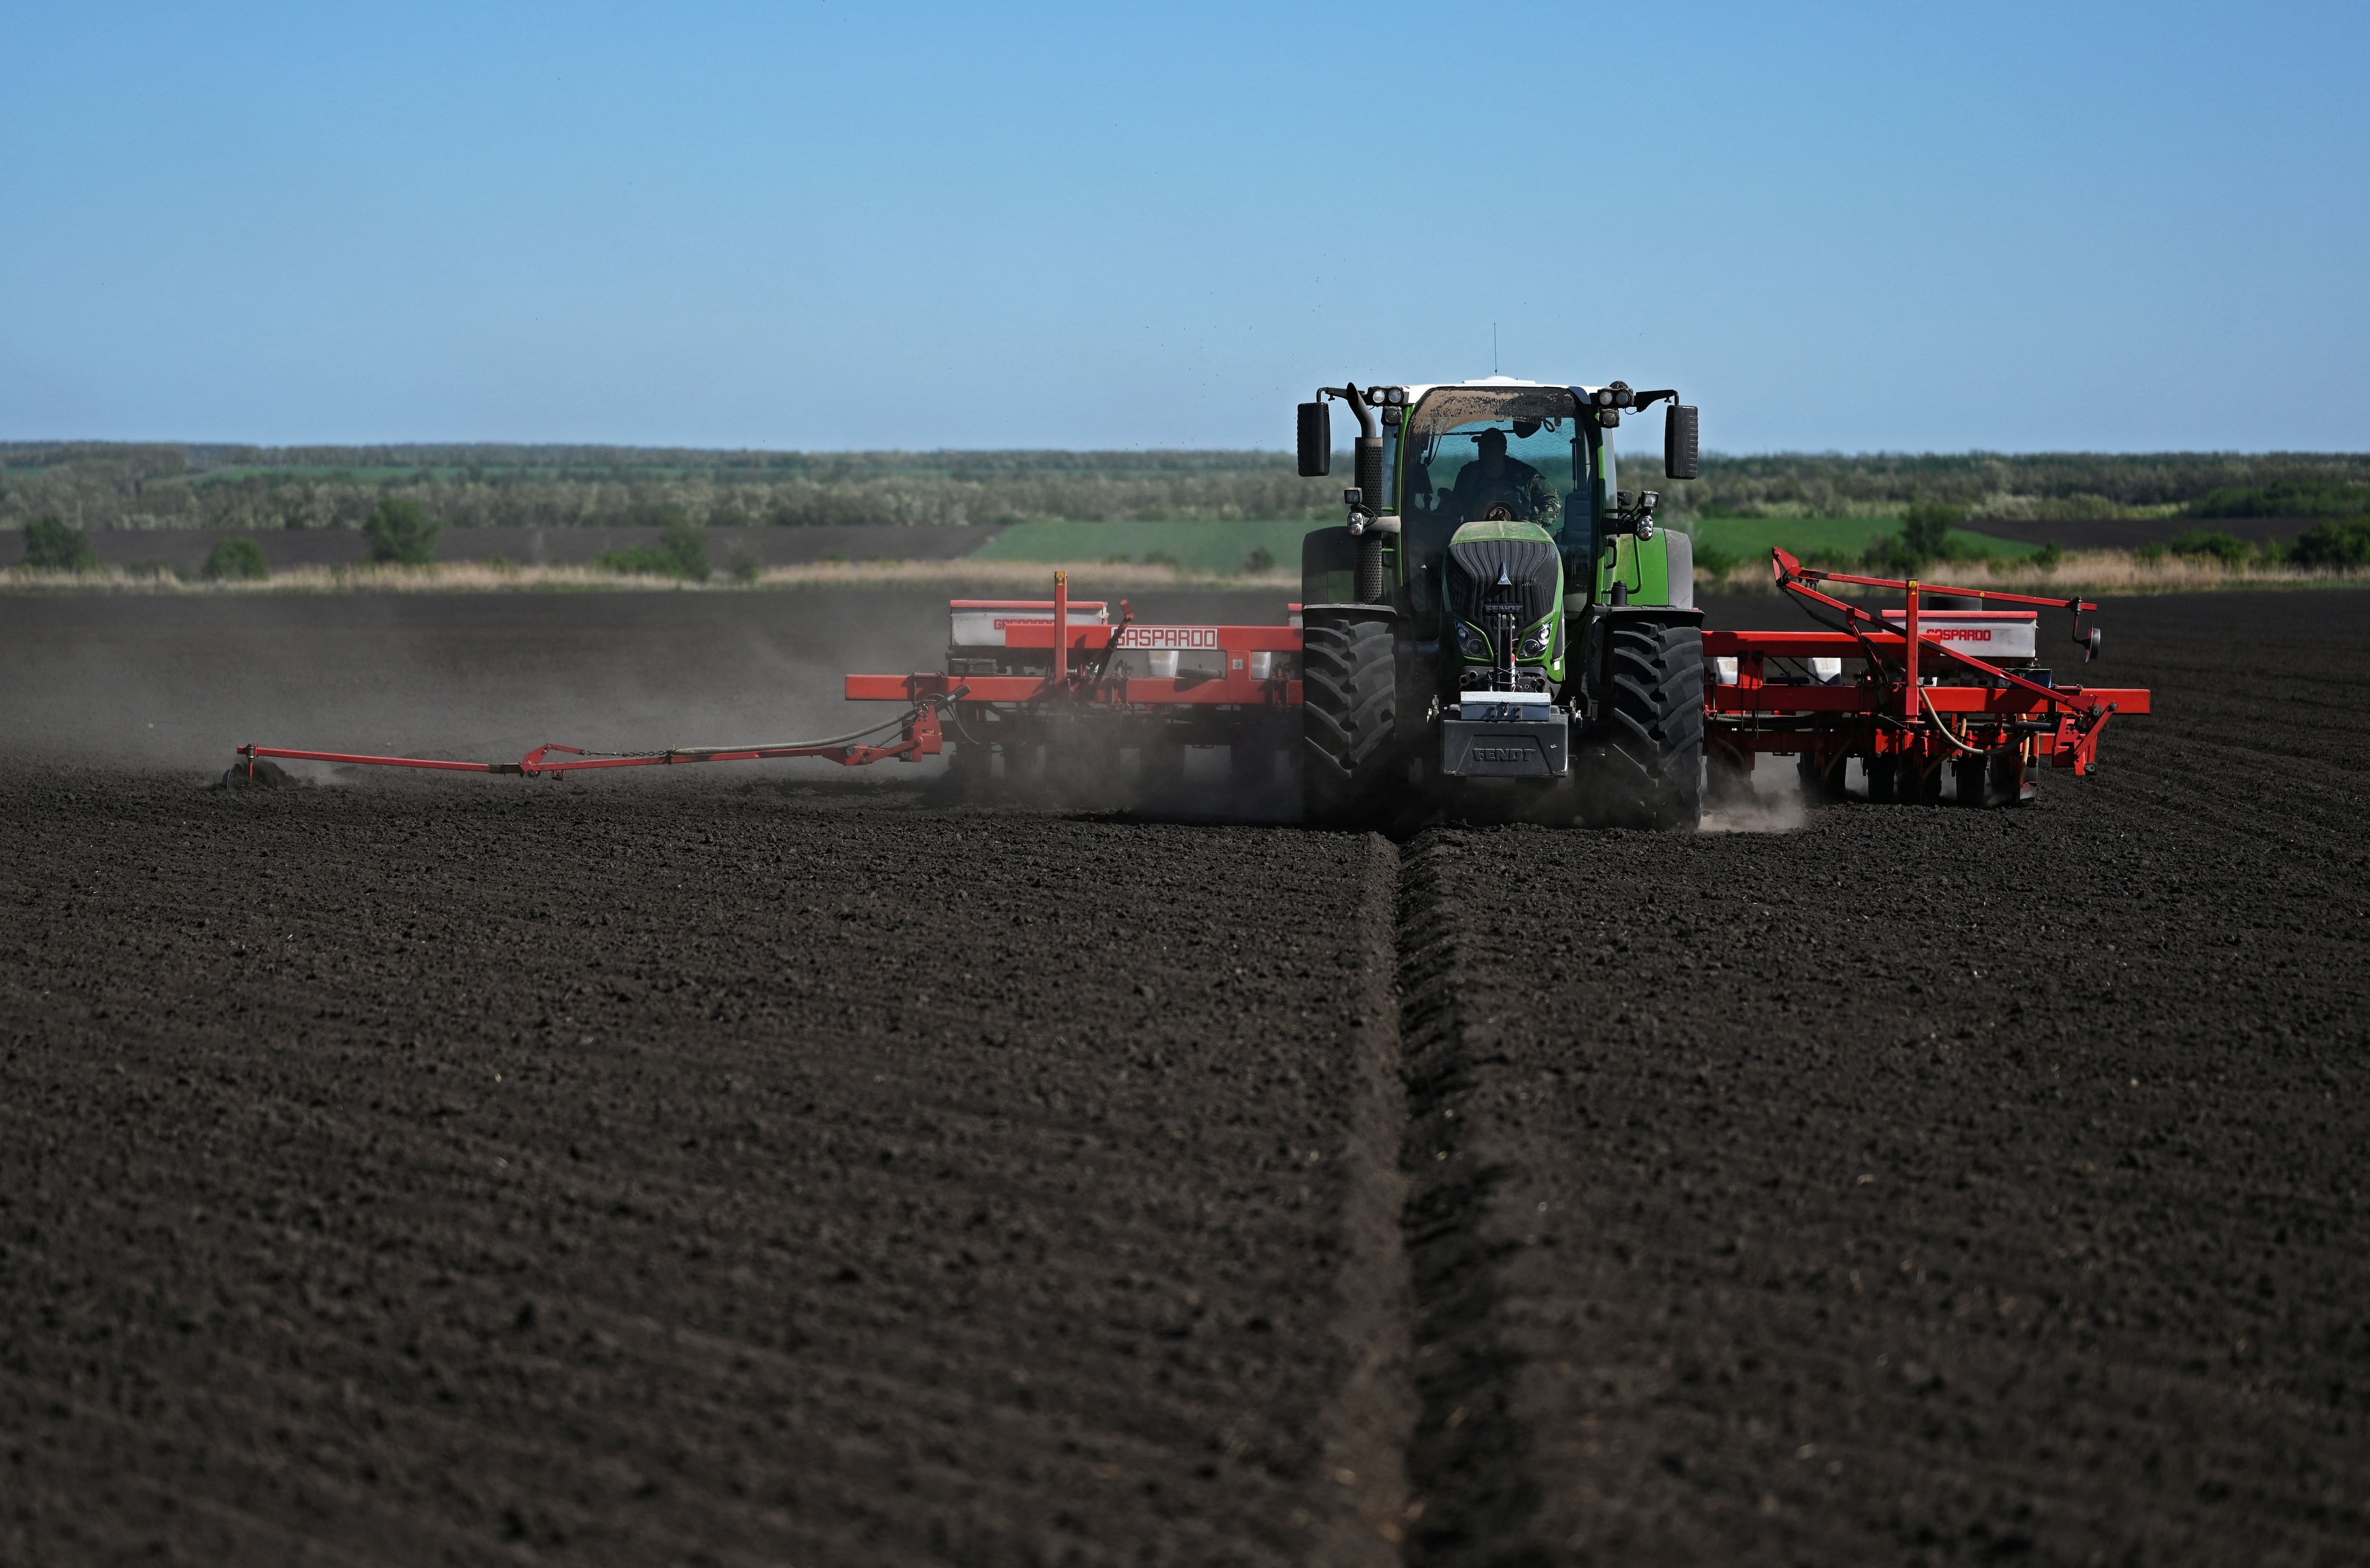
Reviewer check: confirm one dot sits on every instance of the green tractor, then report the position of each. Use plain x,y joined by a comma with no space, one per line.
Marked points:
1498,632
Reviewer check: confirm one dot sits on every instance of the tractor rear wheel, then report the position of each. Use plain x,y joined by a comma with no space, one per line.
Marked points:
1348,685
1655,715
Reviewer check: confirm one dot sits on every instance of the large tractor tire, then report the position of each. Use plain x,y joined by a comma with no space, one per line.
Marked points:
1654,716
1349,687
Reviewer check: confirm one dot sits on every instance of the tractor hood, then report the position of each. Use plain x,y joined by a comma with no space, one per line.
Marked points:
1494,566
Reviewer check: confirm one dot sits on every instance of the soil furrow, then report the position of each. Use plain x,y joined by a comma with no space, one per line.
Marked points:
1473,1496
1960,1266
1371,1420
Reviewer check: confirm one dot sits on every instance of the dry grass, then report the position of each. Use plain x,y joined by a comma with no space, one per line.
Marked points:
2080,571
478,577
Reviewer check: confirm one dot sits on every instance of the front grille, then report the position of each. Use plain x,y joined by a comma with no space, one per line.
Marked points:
1487,577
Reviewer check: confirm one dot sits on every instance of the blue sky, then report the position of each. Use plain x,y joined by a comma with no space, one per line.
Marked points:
1921,227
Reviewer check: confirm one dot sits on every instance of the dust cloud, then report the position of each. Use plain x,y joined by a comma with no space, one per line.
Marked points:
1767,800
169,684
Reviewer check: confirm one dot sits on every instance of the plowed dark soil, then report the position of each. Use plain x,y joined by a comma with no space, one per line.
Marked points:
1928,1185
634,1175
788,1170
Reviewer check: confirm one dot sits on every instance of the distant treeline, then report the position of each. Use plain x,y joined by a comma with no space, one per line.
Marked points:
2039,487
102,484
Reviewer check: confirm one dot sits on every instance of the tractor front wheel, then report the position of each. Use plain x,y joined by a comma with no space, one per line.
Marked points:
1348,685
1655,718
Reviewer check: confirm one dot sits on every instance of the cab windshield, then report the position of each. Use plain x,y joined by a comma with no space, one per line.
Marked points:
1477,455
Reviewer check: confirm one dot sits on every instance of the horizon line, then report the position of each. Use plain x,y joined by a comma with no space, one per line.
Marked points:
51,441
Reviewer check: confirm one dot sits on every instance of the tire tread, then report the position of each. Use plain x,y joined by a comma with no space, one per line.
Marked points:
1348,716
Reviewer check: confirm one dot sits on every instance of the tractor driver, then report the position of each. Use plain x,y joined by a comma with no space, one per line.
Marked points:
1493,480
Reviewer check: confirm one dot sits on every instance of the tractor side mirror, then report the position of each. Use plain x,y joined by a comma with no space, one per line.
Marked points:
1680,446
1316,440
